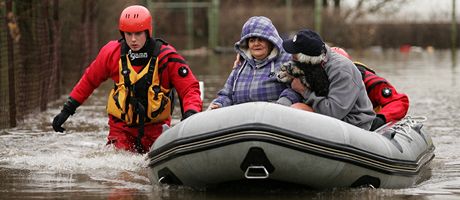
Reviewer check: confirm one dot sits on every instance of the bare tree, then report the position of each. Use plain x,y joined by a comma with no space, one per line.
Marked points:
363,8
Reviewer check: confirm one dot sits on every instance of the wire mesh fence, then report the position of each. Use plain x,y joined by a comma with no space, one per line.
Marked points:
31,52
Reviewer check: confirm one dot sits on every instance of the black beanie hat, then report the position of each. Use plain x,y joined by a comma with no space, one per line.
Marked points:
306,42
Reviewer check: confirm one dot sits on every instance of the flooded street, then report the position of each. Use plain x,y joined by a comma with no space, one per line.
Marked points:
38,163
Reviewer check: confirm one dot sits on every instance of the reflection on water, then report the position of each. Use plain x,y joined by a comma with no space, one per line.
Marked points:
36,162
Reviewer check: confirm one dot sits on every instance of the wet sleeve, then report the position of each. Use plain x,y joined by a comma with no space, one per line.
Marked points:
97,72
185,82
224,96
291,95
393,105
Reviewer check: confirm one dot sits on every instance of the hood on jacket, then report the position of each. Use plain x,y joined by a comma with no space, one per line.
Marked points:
259,26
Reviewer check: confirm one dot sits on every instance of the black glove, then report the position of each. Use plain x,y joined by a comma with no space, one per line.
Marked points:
68,109
188,113
378,121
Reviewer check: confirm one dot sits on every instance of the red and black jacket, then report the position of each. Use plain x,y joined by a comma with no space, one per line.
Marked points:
174,72
387,102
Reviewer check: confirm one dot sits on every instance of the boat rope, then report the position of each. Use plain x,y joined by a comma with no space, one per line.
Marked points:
404,126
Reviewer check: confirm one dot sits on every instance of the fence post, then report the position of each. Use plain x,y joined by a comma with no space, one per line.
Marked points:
189,25
213,17
288,14
4,121
454,35
11,78
318,13
151,7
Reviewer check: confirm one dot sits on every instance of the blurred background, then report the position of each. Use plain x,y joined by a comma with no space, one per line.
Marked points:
41,39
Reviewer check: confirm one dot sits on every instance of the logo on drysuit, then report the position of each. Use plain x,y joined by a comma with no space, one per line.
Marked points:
133,55
183,71
386,92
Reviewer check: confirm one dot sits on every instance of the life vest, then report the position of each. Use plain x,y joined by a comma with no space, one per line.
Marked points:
370,79
139,98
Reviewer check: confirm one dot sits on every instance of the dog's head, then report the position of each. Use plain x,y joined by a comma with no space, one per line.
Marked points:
289,71
284,74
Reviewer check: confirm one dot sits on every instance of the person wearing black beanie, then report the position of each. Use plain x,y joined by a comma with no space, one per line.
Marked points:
347,99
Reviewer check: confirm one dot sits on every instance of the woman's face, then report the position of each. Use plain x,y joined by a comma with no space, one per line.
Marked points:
259,47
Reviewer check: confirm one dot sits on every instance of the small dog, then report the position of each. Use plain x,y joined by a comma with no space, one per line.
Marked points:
312,76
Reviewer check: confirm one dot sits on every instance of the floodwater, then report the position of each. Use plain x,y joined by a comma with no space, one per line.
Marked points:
37,163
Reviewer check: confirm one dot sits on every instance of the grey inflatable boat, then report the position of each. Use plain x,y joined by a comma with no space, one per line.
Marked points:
266,141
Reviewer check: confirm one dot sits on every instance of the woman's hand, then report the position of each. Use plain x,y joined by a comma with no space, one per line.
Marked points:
213,106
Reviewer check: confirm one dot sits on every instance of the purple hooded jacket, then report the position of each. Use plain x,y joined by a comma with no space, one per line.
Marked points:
255,80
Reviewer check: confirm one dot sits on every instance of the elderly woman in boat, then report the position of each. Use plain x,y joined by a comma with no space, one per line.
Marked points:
254,76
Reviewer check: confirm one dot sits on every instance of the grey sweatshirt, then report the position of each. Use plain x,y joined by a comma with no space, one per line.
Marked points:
347,99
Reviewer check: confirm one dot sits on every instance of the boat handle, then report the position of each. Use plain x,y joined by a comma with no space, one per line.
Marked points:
256,172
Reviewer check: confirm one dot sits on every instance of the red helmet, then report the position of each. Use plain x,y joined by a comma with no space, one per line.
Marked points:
135,19
341,52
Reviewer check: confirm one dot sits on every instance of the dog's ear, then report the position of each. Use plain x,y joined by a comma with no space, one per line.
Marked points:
297,71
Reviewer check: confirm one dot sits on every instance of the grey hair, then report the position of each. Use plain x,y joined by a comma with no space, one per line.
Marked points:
311,59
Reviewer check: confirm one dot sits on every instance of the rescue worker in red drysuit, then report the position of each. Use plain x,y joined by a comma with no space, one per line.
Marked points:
144,71
389,105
